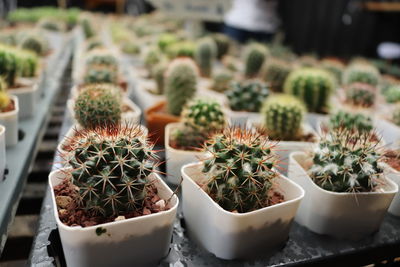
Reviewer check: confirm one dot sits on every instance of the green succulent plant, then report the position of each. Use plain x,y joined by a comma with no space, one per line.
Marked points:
275,72
152,56
254,57
181,49
205,55
101,57
313,86
100,74
8,64
247,96
351,121
222,81
34,42
392,94
223,44
347,161
158,73
239,172
283,117
166,40
110,169
361,72
335,67
361,94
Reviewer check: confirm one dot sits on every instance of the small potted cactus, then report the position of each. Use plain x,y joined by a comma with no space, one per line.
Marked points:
9,109
392,94
183,141
345,175
180,84
361,72
315,87
235,196
218,85
244,100
282,119
205,56
223,43
254,56
112,205
350,121
274,72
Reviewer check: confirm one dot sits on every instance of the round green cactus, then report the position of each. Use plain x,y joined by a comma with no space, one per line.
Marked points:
254,57
152,56
166,40
247,96
283,116
101,56
239,171
110,168
350,121
396,115
205,55
223,44
361,72
392,94
27,63
8,64
180,84
51,24
181,49
347,161
222,81
275,72
35,43
313,86
158,73
98,104
361,94
100,74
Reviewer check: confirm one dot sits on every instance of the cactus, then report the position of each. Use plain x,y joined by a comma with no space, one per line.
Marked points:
222,81
347,161
335,67
283,116
396,115
5,99
130,48
361,72
166,40
35,43
87,26
180,84
361,94
101,57
158,73
27,63
97,105
275,72
392,94
223,43
51,24
8,65
313,86
100,74
205,55
255,55
151,57
110,168
247,96
239,171
352,122
181,49
93,43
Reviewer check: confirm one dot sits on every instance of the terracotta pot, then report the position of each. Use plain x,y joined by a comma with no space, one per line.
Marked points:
157,118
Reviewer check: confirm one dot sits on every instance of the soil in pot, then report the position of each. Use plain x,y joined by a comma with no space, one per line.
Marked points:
393,159
72,215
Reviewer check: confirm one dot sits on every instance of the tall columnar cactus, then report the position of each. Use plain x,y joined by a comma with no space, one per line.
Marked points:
100,74
101,56
5,99
361,72
205,55
283,116
158,73
313,86
247,96
361,94
223,43
222,81
110,168
275,72
396,115
255,55
180,84
240,171
98,104
34,42
347,161
8,65
392,94
350,121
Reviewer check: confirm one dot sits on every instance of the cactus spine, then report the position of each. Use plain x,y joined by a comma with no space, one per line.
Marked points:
98,104
205,55
239,171
255,55
247,96
110,166
283,116
313,86
180,84
347,161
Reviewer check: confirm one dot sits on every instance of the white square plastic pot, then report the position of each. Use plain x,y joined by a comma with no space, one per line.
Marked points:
140,241
27,98
10,121
314,119
231,235
131,117
241,117
394,175
341,215
2,151
176,158
389,131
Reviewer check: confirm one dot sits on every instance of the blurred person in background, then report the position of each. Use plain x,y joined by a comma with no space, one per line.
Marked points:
252,20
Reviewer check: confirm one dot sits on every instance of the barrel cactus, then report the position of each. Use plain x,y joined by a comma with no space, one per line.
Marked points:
239,171
347,161
247,96
396,115
254,57
8,65
313,86
361,94
166,40
392,94
180,84
361,72
100,56
222,81
35,43
98,104
158,74
152,56
275,72
96,159
205,55
283,117
100,74
351,121
223,44
27,63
